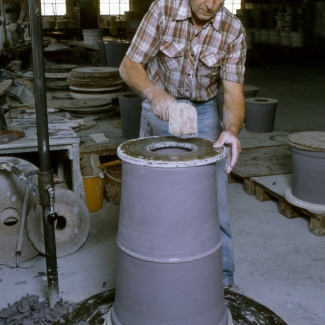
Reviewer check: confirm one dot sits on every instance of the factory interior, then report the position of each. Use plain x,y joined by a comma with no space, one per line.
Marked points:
62,124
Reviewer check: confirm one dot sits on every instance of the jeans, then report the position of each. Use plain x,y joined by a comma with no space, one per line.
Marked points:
208,128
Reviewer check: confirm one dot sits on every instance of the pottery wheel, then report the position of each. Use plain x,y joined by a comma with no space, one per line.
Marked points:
310,141
12,191
71,228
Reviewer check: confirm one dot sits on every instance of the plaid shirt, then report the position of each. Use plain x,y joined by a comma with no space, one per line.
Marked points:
186,62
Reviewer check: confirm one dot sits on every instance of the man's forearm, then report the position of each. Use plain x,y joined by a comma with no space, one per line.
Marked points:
135,76
234,109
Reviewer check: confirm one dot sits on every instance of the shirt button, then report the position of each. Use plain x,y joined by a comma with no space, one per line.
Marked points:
192,55
189,74
186,90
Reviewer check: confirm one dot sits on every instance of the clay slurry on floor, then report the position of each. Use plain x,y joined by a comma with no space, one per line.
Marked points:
29,310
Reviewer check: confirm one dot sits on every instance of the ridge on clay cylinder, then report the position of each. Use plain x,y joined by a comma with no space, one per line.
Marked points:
169,265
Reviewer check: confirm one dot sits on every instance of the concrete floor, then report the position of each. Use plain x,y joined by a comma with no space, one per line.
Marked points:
279,263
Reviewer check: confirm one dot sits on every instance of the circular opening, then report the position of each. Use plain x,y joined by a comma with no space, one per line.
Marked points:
61,223
261,100
11,221
10,216
171,148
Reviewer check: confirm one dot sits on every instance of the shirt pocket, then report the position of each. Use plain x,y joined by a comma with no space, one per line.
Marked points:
209,63
172,55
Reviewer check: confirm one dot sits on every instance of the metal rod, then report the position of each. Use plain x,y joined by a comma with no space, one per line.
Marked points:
3,14
46,179
22,225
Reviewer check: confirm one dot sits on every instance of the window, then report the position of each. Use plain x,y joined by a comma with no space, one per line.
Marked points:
53,7
114,7
233,5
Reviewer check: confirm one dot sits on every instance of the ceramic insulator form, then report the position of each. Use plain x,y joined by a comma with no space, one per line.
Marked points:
169,265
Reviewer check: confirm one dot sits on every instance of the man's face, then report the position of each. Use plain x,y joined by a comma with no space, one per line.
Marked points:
204,10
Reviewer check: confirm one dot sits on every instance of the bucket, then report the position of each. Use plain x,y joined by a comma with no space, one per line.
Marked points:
92,36
113,181
130,109
94,190
260,114
102,53
115,52
308,175
308,166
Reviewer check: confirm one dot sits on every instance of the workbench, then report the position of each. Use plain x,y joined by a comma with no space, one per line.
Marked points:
62,140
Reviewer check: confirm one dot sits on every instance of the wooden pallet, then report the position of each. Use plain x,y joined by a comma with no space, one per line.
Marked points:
262,161
272,188
251,140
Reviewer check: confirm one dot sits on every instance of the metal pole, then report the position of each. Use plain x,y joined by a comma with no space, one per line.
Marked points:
45,177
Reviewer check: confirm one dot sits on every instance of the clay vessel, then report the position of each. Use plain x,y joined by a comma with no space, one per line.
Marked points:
308,166
130,108
115,52
169,265
102,53
260,114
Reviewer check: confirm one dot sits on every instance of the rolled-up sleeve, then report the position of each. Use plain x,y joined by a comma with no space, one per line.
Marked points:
145,43
233,64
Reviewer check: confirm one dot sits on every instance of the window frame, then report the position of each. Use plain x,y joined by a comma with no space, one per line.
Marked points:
54,11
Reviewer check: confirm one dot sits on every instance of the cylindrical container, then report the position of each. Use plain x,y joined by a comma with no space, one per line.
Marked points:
92,36
128,15
249,91
102,53
130,109
113,180
115,52
308,166
94,190
260,114
169,265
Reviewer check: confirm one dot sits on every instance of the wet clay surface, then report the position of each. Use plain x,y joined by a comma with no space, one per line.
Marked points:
29,310
245,311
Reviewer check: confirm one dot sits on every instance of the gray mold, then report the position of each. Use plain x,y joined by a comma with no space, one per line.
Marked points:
169,259
308,175
260,114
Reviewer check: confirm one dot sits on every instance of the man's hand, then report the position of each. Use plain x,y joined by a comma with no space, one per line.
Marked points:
233,148
160,101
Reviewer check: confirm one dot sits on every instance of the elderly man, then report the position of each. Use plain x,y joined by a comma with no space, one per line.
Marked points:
180,53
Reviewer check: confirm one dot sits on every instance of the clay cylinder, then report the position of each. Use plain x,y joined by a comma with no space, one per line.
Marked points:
308,166
115,52
169,265
130,108
260,114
